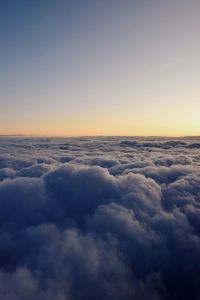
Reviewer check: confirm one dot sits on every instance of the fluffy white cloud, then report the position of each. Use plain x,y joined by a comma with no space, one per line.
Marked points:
99,218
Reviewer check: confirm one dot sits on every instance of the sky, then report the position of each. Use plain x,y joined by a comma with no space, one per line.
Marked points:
108,67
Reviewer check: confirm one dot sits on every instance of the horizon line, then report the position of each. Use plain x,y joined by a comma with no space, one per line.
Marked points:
107,135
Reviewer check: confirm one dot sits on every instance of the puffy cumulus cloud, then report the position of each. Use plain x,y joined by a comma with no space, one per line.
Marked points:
79,190
168,160
99,218
21,201
162,143
184,191
105,162
34,171
164,174
6,173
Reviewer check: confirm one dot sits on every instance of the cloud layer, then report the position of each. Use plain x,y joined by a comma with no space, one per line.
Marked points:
99,218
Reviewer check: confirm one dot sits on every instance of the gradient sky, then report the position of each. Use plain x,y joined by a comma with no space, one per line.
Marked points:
100,67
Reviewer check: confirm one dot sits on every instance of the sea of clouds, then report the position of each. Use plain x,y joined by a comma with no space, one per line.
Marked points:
99,218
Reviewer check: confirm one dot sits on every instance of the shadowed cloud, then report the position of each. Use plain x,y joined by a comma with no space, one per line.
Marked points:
119,226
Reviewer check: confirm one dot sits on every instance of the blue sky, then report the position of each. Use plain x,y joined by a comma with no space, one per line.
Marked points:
99,67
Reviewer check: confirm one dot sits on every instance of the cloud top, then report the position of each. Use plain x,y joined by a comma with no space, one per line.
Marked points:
99,218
